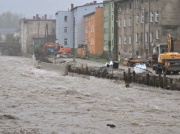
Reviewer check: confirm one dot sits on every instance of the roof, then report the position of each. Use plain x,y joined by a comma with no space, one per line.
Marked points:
26,20
88,4
89,14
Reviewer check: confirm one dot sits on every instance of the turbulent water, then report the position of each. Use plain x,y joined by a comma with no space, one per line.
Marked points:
38,101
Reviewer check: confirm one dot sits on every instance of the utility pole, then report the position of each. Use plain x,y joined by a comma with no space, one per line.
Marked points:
73,38
38,27
109,29
133,28
149,45
115,57
144,47
46,34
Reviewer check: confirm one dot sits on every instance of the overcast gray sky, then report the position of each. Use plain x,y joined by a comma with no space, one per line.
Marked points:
31,7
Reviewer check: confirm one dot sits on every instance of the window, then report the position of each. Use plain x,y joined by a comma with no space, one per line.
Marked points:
119,23
130,21
92,29
142,36
92,41
151,37
137,37
129,40
137,2
124,22
156,16
142,18
120,40
129,5
65,29
124,39
146,37
157,34
120,9
65,18
137,19
65,41
151,16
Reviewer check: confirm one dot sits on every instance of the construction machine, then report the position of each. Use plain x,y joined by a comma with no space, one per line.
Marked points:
166,57
64,51
49,48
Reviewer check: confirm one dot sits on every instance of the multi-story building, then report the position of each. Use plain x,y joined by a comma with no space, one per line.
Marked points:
109,48
75,24
144,23
36,30
64,28
94,31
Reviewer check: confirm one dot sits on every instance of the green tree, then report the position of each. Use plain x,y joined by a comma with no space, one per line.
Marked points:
9,20
10,38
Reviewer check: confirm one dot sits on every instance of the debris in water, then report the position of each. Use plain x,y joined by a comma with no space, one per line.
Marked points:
111,125
8,116
71,92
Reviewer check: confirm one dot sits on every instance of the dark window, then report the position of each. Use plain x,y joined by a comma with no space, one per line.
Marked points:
65,41
65,18
65,29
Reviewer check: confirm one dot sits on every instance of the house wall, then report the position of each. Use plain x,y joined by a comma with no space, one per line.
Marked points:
89,32
94,31
32,28
163,10
98,35
61,34
79,13
108,29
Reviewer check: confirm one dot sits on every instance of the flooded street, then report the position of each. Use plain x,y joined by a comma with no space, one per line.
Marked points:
38,101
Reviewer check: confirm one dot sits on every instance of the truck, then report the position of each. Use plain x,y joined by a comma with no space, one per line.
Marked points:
166,57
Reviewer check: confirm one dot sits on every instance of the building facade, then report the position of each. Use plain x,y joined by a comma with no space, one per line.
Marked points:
94,31
144,23
108,37
76,30
64,28
36,30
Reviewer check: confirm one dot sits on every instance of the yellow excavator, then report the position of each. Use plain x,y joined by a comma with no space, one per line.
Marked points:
168,57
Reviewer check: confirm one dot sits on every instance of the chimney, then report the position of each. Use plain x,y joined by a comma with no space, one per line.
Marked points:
72,6
95,2
45,16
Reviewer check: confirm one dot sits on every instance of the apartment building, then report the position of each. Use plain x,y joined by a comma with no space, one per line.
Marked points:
108,37
64,28
94,31
36,30
74,25
144,23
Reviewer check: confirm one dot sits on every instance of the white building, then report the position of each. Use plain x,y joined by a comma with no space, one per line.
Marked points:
66,33
64,28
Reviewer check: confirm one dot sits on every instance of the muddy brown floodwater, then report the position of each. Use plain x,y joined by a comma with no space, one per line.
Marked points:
38,101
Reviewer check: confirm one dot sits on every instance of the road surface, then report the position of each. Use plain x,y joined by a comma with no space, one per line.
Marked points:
39,101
